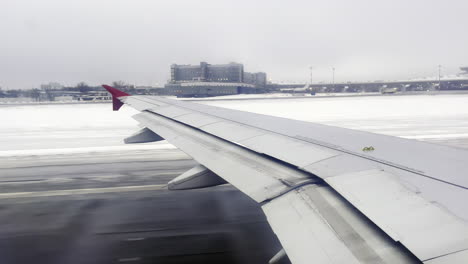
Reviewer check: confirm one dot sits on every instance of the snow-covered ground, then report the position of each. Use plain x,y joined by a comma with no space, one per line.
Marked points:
51,129
33,127
437,118
272,96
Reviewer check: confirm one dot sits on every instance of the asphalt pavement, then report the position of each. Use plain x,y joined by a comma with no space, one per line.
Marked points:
114,207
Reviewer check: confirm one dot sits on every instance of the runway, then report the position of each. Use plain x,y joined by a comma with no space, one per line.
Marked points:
113,207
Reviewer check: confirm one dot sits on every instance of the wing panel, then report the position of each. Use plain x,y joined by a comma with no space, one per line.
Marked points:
340,164
423,227
287,149
139,103
197,120
455,258
299,153
257,176
232,131
409,154
170,111
315,225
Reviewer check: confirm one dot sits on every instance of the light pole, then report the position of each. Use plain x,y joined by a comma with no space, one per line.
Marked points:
440,66
310,74
333,78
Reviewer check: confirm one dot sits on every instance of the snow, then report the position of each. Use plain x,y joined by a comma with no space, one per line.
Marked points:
428,117
96,150
80,128
271,96
64,126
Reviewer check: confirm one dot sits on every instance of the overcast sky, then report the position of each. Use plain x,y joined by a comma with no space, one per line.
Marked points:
98,41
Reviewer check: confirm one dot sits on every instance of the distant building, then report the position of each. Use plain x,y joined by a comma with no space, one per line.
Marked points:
207,89
58,95
232,72
259,79
464,70
213,80
94,96
51,86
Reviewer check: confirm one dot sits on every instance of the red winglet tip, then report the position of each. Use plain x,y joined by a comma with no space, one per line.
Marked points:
116,93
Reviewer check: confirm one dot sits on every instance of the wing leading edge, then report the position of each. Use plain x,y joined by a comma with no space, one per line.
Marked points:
323,198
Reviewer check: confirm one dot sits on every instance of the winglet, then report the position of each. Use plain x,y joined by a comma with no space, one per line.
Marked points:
116,103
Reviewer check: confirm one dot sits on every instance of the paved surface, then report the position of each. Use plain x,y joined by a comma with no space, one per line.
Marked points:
114,208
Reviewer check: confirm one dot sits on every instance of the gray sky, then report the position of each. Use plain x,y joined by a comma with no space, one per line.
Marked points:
98,41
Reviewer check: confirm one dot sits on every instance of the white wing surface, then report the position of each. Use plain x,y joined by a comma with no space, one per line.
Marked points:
332,195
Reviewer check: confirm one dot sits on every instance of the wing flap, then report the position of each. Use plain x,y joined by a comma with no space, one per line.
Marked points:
315,225
425,228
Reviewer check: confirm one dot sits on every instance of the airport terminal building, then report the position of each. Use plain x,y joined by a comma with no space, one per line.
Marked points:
205,80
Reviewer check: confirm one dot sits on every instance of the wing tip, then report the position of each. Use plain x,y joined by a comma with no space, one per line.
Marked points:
116,93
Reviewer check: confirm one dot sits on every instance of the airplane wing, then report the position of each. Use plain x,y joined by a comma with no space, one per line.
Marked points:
331,195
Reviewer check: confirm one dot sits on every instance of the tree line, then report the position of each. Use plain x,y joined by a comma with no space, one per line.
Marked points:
81,87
